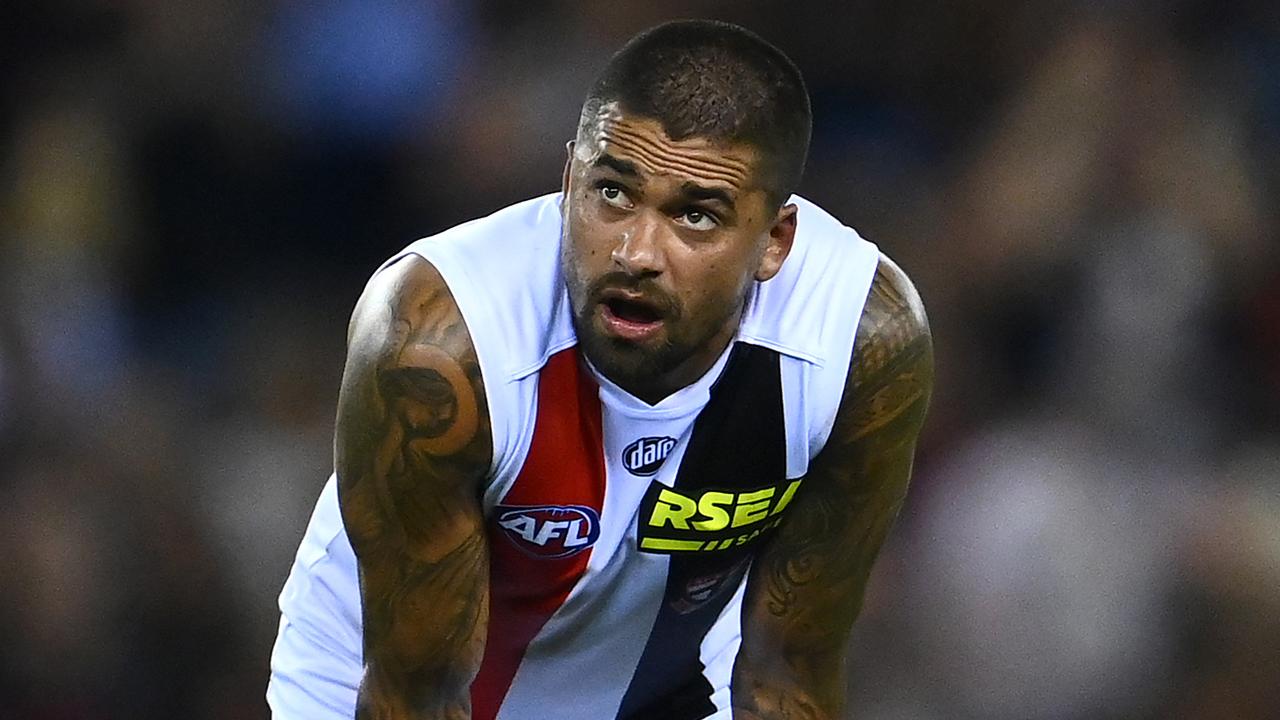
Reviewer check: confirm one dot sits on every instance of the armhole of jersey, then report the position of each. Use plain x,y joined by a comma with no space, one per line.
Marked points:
832,379
486,338
813,391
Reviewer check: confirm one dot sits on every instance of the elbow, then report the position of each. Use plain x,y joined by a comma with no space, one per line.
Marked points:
771,697
439,693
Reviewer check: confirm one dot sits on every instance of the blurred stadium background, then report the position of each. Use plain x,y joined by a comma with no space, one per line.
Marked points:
192,194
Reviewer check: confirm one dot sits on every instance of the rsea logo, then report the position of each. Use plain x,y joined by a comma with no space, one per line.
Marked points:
549,531
644,456
711,520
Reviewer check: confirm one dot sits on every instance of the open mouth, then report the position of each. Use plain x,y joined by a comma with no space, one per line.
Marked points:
633,311
630,318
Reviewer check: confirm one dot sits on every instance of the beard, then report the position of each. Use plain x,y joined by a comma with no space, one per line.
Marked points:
647,369
652,367
627,363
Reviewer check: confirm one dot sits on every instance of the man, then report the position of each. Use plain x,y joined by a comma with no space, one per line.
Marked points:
615,452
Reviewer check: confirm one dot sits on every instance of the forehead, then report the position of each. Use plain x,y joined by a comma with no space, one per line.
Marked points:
642,142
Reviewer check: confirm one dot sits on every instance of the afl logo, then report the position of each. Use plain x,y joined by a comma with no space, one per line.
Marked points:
550,531
644,456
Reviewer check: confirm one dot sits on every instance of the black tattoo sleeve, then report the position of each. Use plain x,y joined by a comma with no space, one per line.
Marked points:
411,447
806,589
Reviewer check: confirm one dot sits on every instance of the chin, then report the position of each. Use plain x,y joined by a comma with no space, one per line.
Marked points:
623,362
614,358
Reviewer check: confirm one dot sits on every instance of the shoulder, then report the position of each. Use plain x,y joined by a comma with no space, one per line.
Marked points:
893,320
502,272
406,296
891,369
410,355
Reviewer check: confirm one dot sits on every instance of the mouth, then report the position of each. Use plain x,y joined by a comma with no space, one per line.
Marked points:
630,317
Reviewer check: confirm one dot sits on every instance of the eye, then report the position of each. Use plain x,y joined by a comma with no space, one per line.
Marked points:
613,195
695,219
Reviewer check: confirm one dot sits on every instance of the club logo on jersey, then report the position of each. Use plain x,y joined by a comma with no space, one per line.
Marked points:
644,456
673,522
549,531
702,589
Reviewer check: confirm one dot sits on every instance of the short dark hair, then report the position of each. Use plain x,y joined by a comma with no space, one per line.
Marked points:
703,78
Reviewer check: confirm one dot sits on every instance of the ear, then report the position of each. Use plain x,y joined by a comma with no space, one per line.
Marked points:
568,165
778,243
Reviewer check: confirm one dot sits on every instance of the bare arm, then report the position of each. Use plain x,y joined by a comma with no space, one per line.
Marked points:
806,589
412,445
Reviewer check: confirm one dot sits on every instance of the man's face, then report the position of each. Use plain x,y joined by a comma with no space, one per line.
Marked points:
661,242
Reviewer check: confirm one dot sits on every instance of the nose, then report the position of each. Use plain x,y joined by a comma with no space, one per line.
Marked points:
639,250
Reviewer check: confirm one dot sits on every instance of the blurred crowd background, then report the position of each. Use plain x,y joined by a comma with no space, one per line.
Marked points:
193,192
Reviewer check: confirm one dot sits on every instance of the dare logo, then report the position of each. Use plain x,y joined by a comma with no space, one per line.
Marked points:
644,456
549,531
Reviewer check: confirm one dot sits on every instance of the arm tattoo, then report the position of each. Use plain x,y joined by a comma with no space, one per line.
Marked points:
412,444
806,588
889,381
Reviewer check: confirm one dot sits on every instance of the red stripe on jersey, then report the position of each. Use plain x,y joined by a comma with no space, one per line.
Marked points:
565,467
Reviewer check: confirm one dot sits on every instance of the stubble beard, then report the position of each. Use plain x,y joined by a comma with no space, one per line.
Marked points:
645,369
627,364
639,368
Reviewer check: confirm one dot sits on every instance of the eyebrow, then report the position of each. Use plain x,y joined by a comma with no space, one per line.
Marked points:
702,192
618,165
689,189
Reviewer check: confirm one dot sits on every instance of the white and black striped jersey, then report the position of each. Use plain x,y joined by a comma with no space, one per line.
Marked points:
620,532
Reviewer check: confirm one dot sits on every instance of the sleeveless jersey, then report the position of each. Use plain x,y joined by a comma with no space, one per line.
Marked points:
620,533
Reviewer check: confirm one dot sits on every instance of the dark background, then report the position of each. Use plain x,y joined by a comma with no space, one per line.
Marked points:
192,195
